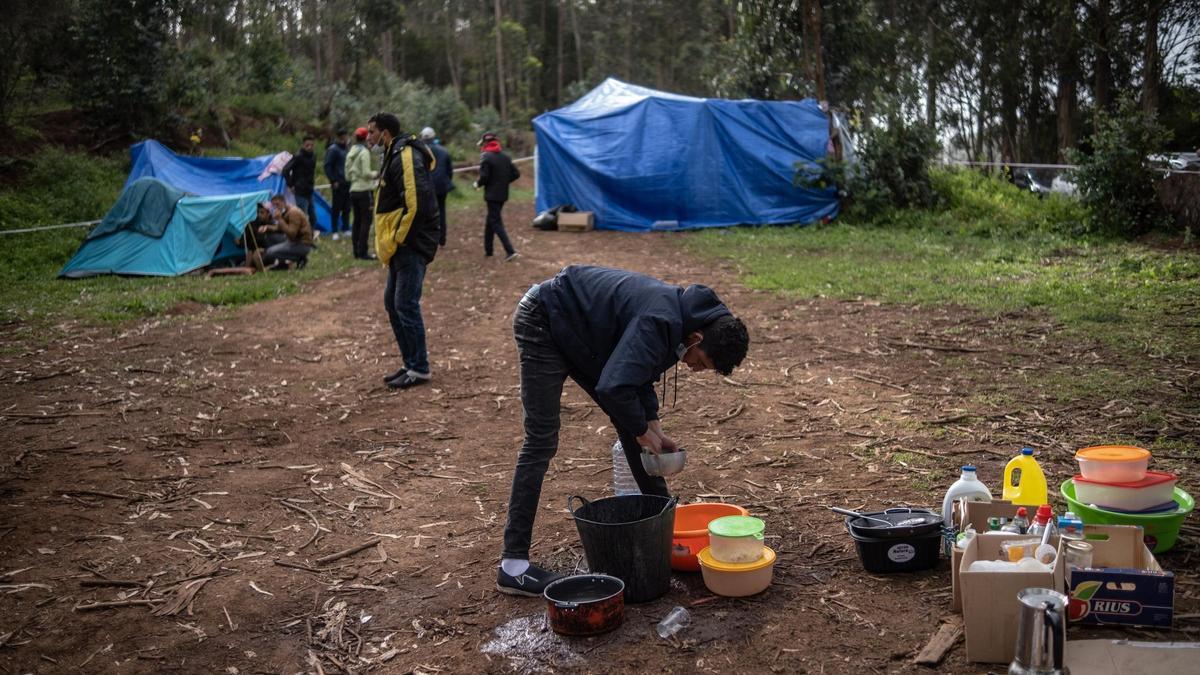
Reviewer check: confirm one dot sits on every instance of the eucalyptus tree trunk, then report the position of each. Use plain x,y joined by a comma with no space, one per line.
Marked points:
500,65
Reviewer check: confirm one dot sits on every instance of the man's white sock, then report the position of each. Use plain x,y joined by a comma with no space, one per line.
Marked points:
513,567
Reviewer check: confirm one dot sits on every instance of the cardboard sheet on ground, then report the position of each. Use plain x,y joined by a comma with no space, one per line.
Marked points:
1124,657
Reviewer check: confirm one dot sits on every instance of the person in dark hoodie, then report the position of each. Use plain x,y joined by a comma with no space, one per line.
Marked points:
406,240
496,171
335,171
298,173
443,175
614,333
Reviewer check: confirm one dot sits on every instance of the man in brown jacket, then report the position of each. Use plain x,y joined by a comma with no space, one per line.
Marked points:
292,223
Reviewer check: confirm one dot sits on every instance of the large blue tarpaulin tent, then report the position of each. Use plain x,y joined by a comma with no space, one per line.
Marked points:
207,176
157,230
643,159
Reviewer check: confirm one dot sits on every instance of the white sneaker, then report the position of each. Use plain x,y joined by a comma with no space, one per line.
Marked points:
335,236
512,257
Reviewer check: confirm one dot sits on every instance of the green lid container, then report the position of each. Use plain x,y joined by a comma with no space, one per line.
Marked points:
737,526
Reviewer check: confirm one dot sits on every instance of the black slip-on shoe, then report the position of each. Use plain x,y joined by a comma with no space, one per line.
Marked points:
532,583
407,380
397,374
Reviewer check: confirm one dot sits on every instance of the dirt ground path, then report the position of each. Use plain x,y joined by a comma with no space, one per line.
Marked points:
195,472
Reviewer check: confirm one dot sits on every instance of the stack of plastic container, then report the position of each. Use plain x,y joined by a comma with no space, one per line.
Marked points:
1114,486
736,563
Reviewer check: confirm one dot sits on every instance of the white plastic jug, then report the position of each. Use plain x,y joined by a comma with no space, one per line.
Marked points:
969,488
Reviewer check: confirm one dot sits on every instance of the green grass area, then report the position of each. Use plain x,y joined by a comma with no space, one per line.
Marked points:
992,248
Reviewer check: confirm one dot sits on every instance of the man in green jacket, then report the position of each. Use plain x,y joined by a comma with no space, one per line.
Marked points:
362,186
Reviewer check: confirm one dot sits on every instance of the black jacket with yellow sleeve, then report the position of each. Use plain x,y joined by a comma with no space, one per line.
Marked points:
406,208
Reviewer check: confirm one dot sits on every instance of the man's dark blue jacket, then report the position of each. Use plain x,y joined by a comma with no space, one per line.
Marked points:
443,170
335,165
620,331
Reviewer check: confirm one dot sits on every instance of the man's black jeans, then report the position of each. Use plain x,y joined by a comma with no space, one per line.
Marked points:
363,213
544,369
494,225
339,210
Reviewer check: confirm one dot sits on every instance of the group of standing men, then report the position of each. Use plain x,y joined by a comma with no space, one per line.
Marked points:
408,211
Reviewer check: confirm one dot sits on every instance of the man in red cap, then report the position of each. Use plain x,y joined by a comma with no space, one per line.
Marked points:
362,186
496,171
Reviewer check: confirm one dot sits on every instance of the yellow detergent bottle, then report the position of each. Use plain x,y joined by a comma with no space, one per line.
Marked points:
1029,488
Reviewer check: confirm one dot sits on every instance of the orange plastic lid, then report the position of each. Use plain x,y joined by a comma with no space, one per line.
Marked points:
707,560
1113,453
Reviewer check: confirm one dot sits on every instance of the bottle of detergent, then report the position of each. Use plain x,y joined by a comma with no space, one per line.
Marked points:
968,487
1043,520
1029,488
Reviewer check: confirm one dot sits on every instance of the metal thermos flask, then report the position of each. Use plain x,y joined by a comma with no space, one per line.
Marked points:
1041,633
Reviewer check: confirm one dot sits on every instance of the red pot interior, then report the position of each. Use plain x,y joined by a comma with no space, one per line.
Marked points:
585,604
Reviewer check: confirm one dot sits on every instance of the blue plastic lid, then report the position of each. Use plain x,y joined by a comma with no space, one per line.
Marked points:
968,467
1026,451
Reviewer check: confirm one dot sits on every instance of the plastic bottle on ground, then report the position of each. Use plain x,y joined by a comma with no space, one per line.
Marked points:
623,481
1029,488
968,487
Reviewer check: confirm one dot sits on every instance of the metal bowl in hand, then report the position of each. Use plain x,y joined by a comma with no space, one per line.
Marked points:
665,464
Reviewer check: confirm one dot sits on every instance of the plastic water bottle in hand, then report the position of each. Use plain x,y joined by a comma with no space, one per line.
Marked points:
623,481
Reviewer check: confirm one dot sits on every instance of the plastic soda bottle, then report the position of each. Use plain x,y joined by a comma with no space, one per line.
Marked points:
968,487
623,480
1029,487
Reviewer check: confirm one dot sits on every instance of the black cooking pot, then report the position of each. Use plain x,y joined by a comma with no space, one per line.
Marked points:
905,522
585,604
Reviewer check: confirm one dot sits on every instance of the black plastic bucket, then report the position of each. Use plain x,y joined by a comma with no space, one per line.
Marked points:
904,554
628,537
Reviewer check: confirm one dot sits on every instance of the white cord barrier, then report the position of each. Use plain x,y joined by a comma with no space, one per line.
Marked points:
86,223
50,227
1053,166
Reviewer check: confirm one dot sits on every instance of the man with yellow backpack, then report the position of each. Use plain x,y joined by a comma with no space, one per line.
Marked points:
406,239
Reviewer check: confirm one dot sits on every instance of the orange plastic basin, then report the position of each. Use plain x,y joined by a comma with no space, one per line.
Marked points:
691,531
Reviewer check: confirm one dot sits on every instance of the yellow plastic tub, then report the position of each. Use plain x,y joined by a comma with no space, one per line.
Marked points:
737,580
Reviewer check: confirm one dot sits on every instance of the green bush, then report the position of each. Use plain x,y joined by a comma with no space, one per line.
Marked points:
892,169
1115,180
894,162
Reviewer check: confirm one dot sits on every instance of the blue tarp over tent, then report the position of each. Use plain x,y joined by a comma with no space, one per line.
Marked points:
636,157
199,230
207,176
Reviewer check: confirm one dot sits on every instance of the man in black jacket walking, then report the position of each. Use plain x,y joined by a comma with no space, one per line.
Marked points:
614,333
406,240
496,171
298,173
335,171
443,175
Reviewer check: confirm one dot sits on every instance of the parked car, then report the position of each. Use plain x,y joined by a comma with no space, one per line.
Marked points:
1024,179
1177,161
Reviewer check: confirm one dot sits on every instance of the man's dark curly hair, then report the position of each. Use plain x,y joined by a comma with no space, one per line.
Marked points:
726,342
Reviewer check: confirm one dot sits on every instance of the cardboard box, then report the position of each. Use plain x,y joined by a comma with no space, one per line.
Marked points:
579,221
1125,657
990,607
976,514
1125,584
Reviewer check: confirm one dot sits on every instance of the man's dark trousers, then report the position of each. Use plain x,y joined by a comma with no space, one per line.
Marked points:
309,206
364,211
495,226
442,216
339,211
402,300
544,369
